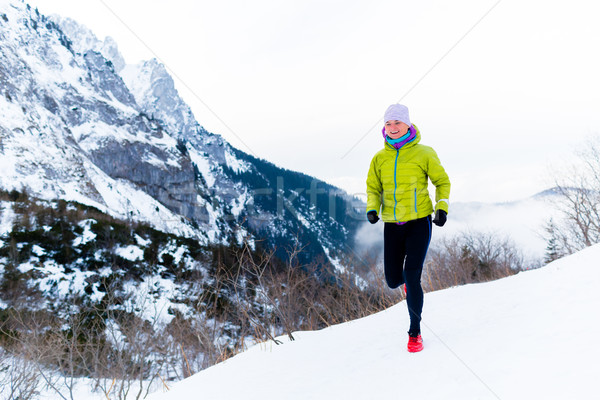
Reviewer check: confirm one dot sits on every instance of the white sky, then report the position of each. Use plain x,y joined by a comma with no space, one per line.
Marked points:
304,84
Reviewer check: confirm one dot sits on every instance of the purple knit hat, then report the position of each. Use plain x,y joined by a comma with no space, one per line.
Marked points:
397,112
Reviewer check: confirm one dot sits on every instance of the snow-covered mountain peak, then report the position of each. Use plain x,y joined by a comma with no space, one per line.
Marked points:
110,51
65,114
84,40
155,92
150,83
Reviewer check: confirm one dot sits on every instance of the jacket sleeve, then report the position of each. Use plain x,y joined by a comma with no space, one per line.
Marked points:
374,187
440,180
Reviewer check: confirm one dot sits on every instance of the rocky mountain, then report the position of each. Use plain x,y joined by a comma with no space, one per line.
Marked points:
78,124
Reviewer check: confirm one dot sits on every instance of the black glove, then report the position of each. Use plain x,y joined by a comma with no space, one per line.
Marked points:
440,217
372,216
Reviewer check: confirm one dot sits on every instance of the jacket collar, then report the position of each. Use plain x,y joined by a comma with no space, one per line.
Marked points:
408,145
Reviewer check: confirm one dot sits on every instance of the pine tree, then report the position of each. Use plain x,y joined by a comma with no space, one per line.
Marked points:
553,248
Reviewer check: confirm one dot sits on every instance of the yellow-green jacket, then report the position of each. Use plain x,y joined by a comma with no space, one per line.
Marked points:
397,182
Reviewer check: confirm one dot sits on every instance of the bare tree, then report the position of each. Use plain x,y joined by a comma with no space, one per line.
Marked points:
130,351
19,378
29,338
578,202
471,257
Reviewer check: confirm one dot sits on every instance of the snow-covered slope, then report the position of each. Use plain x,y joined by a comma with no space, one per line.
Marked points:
530,336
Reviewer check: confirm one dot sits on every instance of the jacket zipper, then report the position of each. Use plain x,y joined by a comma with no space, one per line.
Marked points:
416,201
395,183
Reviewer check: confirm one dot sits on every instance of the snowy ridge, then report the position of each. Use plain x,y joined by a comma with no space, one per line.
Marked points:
533,335
84,40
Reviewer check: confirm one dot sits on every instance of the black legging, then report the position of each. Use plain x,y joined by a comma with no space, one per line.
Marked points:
405,247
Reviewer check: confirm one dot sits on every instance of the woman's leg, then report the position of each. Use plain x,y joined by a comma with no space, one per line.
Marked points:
417,243
394,252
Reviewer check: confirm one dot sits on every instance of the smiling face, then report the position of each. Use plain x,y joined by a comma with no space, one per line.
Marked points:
395,129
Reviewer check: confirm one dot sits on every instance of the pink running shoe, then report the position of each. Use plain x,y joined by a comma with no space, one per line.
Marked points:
415,343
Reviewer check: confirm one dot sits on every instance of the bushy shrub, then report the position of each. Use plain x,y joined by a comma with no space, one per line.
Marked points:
471,257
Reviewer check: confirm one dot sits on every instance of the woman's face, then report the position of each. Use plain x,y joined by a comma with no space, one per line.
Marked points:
395,129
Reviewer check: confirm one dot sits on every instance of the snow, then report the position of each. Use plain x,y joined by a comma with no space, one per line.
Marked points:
151,298
131,253
134,76
178,255
37,250
204,167
141,241
54,275
237,165
240,203
339,267
7,217
121,195
84,40
92,135
25,267
173,249
533,335
87,235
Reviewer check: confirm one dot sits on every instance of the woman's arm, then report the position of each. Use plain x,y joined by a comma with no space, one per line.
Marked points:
374,187
440,179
